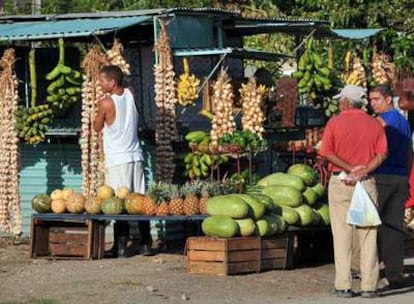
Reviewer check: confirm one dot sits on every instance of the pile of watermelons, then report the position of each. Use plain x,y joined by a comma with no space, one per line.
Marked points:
279,199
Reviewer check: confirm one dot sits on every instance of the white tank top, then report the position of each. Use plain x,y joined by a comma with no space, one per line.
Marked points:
121,144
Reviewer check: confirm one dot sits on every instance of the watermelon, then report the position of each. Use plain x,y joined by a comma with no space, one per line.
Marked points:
305,215
220,226
262,227
319,189
310,196
228,205
42,203
305,172
246,226
282,179
283,195
324,212
257,209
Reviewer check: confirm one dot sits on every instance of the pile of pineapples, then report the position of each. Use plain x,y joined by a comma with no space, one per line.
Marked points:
164,199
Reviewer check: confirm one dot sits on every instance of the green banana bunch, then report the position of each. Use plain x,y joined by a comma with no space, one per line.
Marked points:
196,137
33,122
199,165
65,87
313,73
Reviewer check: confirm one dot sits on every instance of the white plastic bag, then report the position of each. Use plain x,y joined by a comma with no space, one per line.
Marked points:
362,212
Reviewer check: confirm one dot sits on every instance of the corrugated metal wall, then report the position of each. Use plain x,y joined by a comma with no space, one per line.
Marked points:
45,167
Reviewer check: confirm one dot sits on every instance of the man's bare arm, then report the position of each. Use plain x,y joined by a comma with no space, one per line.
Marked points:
99,122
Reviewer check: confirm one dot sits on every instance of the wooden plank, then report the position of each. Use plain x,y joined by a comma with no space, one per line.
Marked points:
210,268
243,267
68,250
202,255
244,255
273,243
70,230
206,243
273,253
244,243
273,264
41,240
64,237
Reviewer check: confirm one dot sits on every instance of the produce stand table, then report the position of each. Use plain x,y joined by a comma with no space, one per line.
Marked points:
79,236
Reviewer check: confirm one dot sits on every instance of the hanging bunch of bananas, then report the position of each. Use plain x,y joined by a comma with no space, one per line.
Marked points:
354,71
187,86
65,87
383,71
116,58
313,73
199,162
33,122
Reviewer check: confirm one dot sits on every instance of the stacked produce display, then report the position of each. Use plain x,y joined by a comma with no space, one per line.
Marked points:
165,100
10,209
277,200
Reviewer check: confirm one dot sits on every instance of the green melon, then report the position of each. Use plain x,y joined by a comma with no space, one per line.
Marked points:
42,203
112,206
282,179
220,226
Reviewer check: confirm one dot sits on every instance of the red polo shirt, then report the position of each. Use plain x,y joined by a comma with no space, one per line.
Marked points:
353,136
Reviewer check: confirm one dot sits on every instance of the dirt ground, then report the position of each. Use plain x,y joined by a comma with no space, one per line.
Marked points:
161,278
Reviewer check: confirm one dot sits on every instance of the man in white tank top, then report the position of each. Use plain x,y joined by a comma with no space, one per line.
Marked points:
117,118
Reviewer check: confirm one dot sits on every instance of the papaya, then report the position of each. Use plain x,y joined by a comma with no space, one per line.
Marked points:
220,226
228,205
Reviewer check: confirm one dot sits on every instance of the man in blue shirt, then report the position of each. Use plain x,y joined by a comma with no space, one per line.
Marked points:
392,183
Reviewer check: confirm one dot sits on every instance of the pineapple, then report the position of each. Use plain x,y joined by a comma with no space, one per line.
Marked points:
176,200
149,206
163,208
191,191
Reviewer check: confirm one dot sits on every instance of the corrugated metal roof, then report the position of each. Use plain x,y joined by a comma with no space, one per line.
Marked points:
356,33
38,30
233,52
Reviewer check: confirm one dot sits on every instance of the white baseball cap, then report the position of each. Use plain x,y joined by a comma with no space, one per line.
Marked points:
353,93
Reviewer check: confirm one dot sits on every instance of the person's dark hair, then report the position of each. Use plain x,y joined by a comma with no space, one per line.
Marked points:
384,89
113,72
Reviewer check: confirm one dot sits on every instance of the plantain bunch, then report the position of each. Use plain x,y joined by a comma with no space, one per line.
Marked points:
33,122
187,86
65,83
313,73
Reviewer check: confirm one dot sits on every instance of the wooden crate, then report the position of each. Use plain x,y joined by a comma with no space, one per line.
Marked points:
84,239
219,256
277,252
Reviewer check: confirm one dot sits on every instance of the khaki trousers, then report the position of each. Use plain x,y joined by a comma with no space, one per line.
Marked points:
344,235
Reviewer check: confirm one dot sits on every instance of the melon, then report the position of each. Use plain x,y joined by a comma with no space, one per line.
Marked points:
220,226
104,192
56,194
134,203
58,206
122,192
41,203
305,172
112,206
66,193
75,203
93,205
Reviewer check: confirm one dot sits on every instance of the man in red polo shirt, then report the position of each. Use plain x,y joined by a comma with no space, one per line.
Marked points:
355,143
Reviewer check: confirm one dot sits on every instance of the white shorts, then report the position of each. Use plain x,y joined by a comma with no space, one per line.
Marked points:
130,175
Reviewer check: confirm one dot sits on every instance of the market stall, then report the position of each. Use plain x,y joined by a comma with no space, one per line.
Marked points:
210,177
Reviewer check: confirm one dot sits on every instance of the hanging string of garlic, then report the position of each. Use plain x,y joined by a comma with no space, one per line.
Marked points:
165,100
91,141
116,58
251,100
222,100
383,71
10,208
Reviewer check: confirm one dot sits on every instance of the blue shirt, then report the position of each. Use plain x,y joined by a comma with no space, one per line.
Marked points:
398,135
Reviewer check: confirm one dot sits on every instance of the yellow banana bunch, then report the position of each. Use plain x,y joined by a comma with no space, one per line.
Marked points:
355,76
187,87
